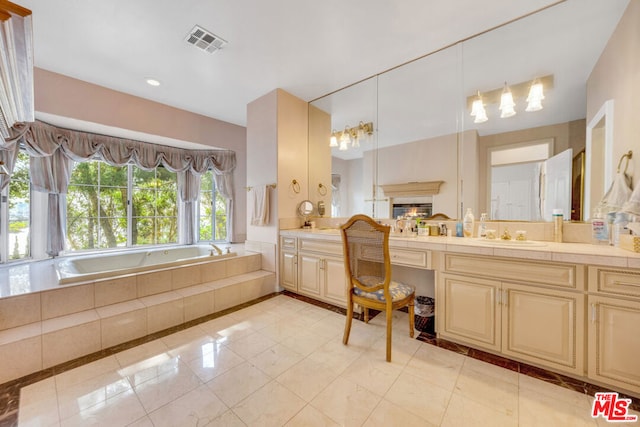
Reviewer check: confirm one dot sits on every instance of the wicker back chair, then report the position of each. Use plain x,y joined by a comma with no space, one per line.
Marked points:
368,269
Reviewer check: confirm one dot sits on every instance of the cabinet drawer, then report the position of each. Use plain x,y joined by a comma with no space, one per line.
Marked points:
419,259
614,281
288,243
325,246
569,276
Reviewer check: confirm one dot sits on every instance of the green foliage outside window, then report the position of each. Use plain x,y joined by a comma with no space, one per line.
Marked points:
19,208
97,206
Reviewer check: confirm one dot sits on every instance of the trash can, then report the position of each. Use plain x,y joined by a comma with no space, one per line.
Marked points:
424,314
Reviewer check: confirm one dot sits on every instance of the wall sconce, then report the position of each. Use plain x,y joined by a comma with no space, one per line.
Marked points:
506,103
505,97
3,169
350,135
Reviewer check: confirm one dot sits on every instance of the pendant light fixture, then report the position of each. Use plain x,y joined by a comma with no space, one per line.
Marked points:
536,95
351,136
478,111
333,141
506,103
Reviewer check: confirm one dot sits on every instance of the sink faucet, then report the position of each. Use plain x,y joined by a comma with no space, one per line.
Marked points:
217,249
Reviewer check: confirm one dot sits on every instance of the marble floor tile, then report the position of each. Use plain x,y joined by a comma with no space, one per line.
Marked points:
238,383
346,402
372,371
251,345
492,387
311,417
389,414
159,385
271,405
196,408
307,378
215,362
281,362
462,411
275,360
426,400
119,410
39,404
436,366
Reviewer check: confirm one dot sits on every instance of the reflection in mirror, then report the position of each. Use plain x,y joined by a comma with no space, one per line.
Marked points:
516,55
598,157
421,110
347,108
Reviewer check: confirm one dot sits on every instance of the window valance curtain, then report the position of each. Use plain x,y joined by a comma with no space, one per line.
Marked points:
16,67
53,149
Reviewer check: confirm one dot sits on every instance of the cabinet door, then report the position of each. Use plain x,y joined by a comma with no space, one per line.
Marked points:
309,274
614,342
334,283
471,311
288,270
543,326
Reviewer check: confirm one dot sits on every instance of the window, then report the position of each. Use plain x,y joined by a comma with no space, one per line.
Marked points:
99,215
97,206
18,212
154,209
212,210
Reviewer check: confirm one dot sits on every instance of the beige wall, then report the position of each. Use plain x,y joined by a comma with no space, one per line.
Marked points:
565,135
277,135
71,98
616,76
262,162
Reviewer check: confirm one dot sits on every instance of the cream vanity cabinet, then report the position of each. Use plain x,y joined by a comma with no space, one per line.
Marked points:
321,270
289,263
527,310
614,326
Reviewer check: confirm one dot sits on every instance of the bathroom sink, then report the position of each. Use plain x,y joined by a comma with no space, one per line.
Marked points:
511,243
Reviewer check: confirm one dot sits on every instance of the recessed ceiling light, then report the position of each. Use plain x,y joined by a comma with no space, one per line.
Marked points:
153,82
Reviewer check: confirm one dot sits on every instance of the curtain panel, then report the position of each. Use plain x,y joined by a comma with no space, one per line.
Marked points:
53,151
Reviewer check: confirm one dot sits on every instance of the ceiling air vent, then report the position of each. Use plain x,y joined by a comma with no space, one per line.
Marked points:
205,40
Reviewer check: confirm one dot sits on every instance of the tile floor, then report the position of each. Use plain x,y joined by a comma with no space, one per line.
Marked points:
282,362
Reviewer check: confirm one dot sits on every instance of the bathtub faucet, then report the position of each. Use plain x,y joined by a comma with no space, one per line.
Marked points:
217,249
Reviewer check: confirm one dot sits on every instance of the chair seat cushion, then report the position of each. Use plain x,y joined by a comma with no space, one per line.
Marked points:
397,290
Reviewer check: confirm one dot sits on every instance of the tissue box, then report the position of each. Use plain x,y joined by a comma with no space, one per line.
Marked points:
630,243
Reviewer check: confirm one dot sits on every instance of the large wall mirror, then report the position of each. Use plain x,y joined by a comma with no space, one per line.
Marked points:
425,149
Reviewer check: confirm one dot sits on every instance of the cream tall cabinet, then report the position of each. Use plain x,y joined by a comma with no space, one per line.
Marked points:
614,325
537,317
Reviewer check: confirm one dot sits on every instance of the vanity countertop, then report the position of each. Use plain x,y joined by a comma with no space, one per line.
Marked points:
581,253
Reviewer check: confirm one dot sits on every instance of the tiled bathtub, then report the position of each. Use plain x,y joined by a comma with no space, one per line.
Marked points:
39,330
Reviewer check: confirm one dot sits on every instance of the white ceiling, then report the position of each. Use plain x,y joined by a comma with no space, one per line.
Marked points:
308,48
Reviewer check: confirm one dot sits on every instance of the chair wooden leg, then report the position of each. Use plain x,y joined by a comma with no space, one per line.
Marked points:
412,319
347,324
366,314
389,314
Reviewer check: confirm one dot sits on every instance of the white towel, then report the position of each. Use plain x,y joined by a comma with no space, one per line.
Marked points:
260,211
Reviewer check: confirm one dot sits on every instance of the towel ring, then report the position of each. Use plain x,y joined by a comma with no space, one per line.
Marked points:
627,156
295,186
322,190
